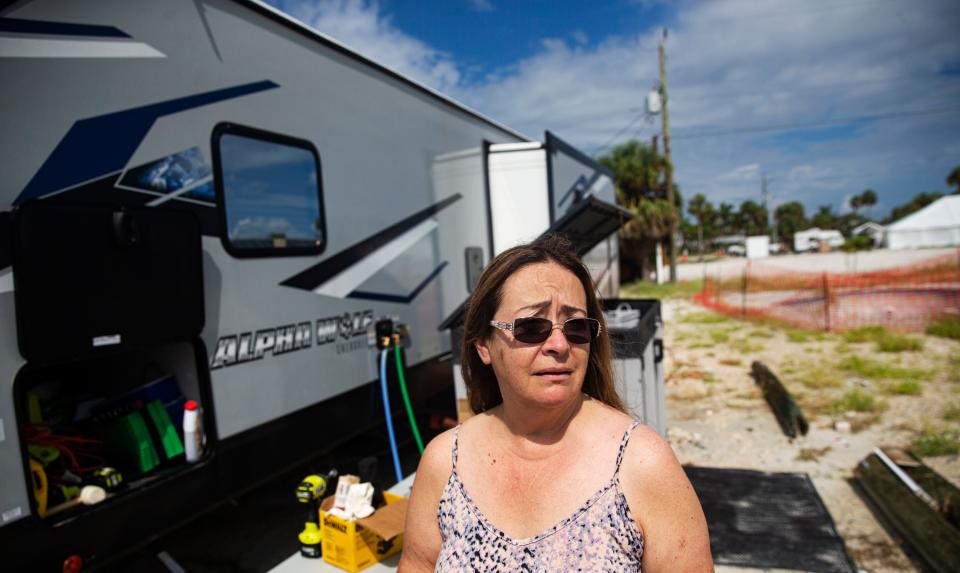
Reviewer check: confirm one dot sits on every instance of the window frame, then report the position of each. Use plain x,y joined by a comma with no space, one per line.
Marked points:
228,128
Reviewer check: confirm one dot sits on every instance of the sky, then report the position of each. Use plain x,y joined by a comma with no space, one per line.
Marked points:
825,97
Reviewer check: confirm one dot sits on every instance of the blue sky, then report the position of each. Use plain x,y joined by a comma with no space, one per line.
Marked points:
825,97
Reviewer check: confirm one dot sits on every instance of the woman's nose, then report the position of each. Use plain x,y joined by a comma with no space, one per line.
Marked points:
557,341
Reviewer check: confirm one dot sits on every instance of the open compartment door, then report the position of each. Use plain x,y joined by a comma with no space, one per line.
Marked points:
91,281
590,221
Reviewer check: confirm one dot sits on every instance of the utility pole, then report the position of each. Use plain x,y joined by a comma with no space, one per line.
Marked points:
763,193
771,220
666,154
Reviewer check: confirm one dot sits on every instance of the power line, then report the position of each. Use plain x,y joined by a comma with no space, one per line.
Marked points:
610,141
814,124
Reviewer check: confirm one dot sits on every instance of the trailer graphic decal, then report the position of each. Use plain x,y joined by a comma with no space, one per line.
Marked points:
351,266
102,145
46,28
399,298
43,39
344,330
182,175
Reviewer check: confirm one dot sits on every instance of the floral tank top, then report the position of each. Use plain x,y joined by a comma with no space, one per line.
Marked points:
600,536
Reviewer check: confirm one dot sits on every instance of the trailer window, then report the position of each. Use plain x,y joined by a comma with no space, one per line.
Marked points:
269,193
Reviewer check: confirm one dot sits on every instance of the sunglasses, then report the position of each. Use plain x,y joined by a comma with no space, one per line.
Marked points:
534,330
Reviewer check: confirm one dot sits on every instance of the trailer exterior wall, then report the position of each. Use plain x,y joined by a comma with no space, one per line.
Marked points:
378,137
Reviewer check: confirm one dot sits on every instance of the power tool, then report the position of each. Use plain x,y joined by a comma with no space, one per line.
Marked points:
309,493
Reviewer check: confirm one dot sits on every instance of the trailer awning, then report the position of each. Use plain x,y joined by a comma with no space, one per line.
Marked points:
585,225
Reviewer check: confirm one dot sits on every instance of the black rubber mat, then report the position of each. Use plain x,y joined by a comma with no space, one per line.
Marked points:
768,520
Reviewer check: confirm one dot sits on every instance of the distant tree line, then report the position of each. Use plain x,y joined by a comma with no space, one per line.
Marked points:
639,175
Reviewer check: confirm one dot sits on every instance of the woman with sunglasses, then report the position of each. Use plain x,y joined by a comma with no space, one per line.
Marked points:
551,474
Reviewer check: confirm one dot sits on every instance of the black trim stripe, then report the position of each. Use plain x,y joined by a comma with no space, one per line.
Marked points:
6,240
486,192
40,27
320,273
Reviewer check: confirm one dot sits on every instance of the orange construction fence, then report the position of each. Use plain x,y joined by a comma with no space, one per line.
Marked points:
900,298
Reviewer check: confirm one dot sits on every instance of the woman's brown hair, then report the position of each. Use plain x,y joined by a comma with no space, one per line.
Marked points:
482,388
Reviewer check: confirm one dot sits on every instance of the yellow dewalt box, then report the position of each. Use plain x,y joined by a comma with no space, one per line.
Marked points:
355,545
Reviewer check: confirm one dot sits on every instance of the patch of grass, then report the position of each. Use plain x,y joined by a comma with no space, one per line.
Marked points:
855,400
933,442
864,334
820,378
876,370
953,368
719,336
898,343
946,327
812,350
801,335
704,318
677,290
885,341
744,347
952,414
760,334
711,354
842,348
905,388
731,361
701,345
811,454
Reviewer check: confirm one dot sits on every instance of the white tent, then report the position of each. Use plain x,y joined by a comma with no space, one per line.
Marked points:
936,225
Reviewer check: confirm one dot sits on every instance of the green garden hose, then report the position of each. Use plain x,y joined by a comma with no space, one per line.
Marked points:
406,398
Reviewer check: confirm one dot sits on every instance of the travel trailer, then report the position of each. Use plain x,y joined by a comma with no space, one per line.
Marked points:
208,201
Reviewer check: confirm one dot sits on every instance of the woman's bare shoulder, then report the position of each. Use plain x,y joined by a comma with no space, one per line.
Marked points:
648,454
436,463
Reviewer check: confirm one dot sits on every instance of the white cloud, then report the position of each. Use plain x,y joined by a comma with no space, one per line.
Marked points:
751,172
363,27
732,64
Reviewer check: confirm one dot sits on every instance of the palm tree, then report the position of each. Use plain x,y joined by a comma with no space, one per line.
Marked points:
868,198
954,179
638,171
700,208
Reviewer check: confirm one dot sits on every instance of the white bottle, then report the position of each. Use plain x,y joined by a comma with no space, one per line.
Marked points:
192,431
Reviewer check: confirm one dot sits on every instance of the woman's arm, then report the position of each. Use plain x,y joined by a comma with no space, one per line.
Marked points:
666,508
421,544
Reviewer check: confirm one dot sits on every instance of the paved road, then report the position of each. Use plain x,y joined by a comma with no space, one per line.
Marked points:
837,262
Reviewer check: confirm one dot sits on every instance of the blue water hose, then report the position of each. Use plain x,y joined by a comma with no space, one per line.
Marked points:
386,410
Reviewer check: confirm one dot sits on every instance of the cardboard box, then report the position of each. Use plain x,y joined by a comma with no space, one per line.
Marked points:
355,545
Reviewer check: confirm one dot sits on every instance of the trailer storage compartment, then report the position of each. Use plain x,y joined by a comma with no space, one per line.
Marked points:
636,336
112,421
109,308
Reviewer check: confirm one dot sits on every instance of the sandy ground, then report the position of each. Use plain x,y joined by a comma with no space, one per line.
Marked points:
717,416
835,262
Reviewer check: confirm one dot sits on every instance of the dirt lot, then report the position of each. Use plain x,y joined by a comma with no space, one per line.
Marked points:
855,397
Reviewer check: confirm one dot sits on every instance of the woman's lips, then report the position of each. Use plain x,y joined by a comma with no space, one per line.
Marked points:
554,374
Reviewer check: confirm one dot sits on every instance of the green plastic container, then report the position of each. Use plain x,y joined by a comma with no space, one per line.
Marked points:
170,443
128,438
